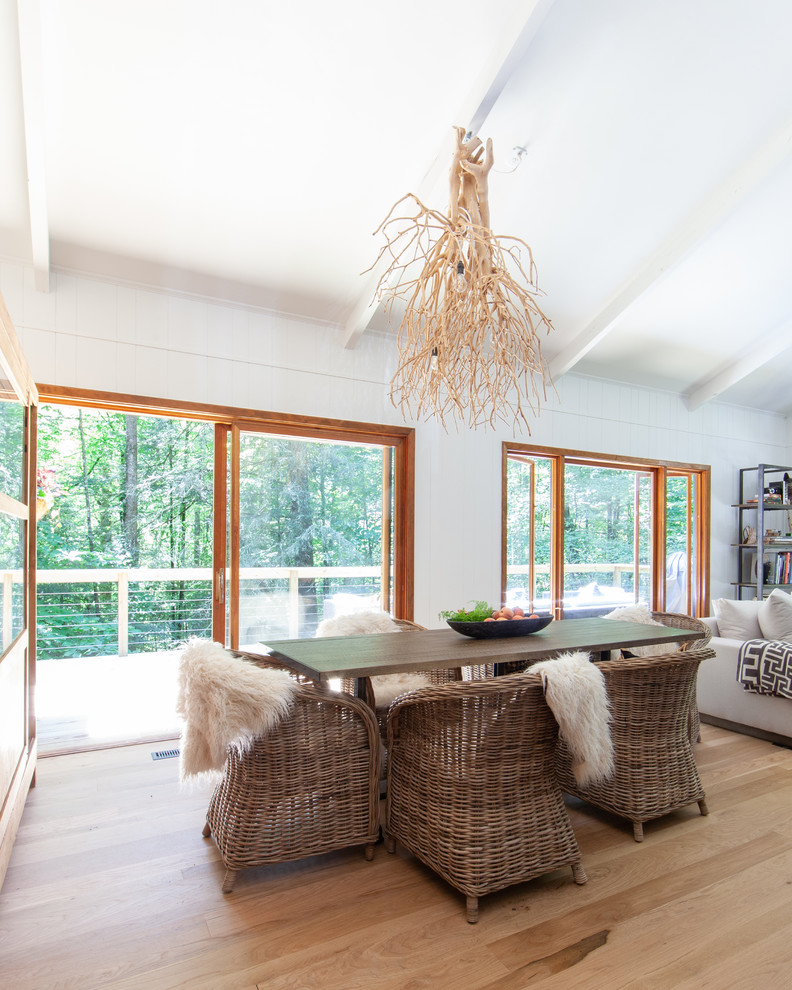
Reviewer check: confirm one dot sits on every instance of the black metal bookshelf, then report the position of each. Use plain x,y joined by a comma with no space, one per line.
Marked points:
765,506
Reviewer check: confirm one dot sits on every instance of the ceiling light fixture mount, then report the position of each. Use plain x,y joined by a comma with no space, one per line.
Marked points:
468,341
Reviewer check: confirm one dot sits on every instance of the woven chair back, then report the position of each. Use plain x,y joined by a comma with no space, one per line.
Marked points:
655,772
471,786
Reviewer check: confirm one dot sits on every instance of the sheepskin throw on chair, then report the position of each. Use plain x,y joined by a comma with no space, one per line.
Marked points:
576,693
386,687
224,700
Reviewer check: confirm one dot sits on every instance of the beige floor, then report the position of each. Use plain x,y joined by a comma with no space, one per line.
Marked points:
92,702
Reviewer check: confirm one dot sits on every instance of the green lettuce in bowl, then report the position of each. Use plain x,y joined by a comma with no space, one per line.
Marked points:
477,613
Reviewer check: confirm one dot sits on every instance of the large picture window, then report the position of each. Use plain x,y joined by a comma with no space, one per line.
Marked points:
299,516
587,533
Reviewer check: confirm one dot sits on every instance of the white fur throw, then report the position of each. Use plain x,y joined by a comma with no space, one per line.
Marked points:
386,687
357,624
224,700
575,691
641,613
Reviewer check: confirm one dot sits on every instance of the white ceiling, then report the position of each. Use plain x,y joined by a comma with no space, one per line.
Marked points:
249,150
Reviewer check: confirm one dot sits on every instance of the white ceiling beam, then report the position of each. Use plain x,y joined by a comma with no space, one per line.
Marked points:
760,353
503,61
32,72
683,239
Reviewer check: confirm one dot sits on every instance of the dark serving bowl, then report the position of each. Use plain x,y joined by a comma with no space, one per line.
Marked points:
500,630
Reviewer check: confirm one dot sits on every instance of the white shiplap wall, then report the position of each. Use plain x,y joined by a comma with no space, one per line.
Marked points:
101,335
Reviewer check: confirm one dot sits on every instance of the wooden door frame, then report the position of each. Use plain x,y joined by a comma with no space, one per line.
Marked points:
400,438
17,661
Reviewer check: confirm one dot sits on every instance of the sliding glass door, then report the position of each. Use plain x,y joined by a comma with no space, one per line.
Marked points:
311,524
18,743
160,522
607,538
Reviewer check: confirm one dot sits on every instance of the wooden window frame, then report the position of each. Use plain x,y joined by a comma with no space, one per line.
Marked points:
228,419
559,457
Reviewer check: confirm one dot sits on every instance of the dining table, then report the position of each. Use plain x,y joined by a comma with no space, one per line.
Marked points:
372,654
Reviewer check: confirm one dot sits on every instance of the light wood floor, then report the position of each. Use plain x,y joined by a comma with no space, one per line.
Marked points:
112,886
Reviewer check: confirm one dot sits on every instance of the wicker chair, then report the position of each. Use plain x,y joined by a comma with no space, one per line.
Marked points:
655,772
310,786
471,787
678,620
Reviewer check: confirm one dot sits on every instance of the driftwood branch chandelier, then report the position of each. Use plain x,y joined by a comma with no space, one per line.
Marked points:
468,340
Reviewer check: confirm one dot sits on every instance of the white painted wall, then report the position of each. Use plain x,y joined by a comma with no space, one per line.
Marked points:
93,334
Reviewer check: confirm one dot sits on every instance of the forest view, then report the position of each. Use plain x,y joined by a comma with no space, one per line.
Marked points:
599,525
123,491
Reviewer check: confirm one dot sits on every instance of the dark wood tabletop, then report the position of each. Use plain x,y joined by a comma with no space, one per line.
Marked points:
432,649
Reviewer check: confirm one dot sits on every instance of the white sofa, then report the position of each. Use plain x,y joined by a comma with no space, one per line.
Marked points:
722,700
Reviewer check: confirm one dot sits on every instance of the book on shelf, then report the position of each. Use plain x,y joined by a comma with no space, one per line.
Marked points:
782,568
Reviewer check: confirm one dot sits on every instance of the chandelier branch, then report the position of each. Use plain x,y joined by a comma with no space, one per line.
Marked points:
469,339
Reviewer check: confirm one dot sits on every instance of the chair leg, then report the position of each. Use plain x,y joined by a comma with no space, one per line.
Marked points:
229,880
579,873
703,807
638,831
206,831
368,852
471,904
390,843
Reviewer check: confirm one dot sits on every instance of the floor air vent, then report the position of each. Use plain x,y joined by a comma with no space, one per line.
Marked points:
165,754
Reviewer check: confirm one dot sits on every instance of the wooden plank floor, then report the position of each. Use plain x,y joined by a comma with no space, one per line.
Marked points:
112,886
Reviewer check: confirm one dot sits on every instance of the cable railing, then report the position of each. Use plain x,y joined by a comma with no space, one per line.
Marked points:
118,611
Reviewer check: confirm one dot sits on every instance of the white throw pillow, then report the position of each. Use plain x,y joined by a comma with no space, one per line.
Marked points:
357,624
775,616
737,620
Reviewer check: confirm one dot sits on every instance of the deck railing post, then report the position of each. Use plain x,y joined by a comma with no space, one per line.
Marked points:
294,603
123,613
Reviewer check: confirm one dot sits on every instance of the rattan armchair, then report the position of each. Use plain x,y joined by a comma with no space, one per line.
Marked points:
655,772
471,785
679,620
309,786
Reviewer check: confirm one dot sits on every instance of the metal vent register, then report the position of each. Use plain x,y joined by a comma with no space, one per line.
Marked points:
165,754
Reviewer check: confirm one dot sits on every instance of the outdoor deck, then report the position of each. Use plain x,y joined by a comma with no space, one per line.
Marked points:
93,702
88,703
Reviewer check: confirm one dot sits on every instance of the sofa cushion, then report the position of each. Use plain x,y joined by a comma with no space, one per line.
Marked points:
775,616
737,620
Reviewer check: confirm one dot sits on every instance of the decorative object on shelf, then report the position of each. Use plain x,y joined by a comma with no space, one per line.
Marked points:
749,534
765,568
468,341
